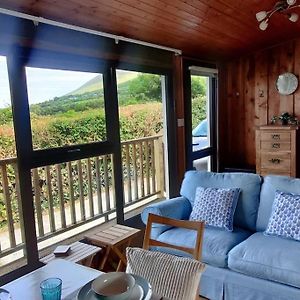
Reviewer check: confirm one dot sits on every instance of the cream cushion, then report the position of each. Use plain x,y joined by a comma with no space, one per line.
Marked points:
172,277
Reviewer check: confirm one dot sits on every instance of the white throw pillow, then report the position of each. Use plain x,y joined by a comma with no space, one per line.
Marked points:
215,206
285,216
172,277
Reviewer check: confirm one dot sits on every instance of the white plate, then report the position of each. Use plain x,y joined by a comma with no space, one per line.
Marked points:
141,291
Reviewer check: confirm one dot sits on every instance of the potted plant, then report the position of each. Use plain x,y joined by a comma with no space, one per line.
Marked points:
285,119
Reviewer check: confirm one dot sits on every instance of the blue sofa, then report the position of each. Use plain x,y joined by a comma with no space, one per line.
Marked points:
244,264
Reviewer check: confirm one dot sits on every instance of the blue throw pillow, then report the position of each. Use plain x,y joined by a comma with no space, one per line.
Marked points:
285,216
215,206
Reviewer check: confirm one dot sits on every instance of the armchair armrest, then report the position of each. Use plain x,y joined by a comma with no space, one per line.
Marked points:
176,208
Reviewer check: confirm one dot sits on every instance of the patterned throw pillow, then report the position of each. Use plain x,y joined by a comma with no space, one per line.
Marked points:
285,216
171,277
215,206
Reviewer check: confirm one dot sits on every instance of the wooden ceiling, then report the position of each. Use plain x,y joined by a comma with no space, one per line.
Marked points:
201,28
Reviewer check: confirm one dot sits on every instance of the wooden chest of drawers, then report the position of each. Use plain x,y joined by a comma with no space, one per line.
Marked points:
276,149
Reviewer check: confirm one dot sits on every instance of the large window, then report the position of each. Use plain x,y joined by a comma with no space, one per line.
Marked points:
91,143
66,107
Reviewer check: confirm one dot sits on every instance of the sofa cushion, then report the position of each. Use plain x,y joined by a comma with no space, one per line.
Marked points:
216,243
246,211
267,257
271,184
285,217
215,206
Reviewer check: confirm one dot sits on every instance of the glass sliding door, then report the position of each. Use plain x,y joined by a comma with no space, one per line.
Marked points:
202,118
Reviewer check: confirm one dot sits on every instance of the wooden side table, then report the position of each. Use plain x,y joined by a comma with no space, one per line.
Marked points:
80,253
114,239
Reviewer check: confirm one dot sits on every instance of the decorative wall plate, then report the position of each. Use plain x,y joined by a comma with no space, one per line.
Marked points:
286,83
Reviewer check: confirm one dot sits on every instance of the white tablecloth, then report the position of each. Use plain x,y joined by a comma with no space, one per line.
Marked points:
73,276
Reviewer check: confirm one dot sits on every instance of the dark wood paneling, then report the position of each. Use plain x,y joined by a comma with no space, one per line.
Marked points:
252,99
201,28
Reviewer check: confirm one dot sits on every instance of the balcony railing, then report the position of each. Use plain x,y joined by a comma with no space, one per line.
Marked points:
71,194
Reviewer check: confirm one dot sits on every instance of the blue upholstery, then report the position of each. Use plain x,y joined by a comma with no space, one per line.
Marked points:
216,242
246,211
267,257
269,187
177,208
225,284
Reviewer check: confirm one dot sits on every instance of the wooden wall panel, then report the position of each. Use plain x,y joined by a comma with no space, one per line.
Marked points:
274,70
286,65
261,88
252,99
249,108
297,72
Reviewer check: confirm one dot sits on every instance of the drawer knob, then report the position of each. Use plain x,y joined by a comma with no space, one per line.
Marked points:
275,161
276,136
276,146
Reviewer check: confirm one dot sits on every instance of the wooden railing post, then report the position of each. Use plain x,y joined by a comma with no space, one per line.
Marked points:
159,166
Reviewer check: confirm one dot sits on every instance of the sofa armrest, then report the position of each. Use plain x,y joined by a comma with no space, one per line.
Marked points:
176,208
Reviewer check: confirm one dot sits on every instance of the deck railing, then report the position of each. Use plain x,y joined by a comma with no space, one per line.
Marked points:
71,194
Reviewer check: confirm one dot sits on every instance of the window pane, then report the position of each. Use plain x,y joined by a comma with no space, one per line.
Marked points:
12,254
200,112
7,136
141,111
140,104
66,107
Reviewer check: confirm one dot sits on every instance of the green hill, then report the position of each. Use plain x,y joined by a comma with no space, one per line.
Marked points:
96,84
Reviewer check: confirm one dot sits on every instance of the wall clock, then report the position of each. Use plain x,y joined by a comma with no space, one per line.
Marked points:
286,83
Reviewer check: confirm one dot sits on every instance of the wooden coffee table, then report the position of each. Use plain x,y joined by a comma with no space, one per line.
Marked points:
114,239
80,253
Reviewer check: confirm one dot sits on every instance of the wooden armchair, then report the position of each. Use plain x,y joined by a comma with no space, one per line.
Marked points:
193,225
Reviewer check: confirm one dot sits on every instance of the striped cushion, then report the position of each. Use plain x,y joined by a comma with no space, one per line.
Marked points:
172,277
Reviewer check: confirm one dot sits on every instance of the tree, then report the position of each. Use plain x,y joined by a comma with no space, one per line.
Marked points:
145,87
198,86
5,115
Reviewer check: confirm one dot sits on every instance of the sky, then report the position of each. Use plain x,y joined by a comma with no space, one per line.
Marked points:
43,84
4,85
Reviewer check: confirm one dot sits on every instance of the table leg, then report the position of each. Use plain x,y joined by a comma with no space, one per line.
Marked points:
121,256
89,260
107,250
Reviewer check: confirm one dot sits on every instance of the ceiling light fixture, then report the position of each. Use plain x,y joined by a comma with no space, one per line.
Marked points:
283,7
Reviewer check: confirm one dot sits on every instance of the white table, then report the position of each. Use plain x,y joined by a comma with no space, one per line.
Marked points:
73,276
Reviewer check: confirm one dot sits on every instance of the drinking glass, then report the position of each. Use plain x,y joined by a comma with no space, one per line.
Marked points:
51,289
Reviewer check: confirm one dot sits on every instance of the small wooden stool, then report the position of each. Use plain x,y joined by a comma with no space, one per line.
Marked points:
80,253
113,239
